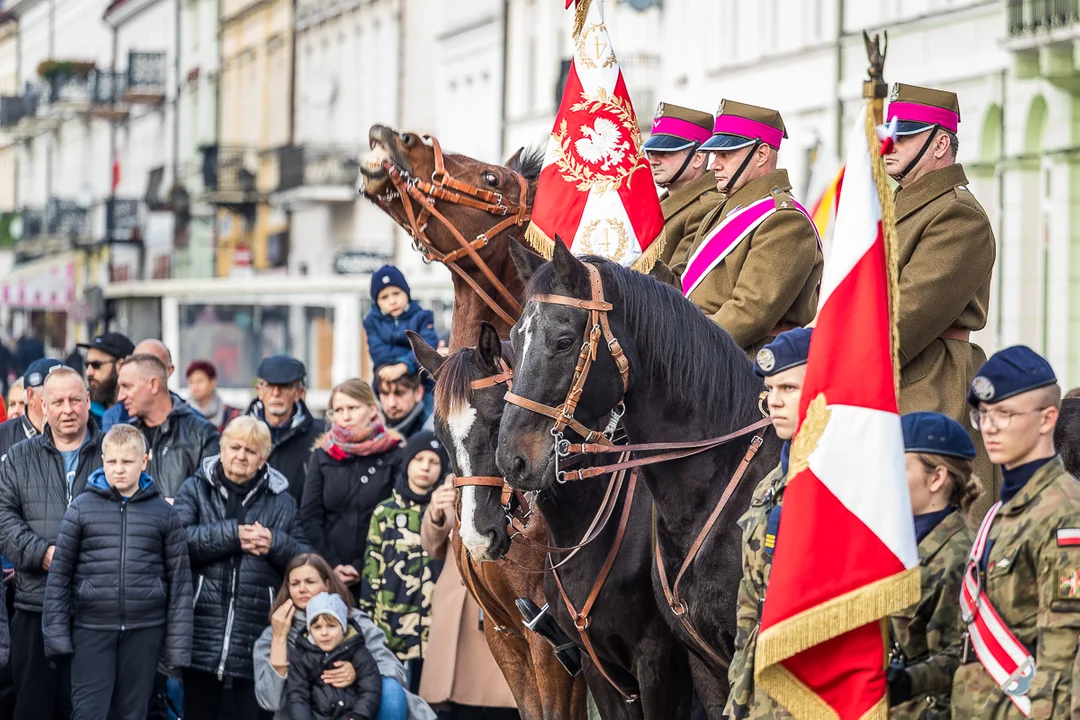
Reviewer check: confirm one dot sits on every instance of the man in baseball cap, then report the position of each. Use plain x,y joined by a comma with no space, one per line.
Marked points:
103,356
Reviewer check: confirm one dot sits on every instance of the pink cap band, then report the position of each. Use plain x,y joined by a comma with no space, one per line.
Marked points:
735,125
916,112
680,128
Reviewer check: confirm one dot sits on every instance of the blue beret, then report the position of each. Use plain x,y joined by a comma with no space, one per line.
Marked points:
280,370
1009,372
785,351
35,374
937,434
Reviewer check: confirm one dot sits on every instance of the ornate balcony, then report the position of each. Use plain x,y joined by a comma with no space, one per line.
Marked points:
121,219
1042,35
145,77
317,173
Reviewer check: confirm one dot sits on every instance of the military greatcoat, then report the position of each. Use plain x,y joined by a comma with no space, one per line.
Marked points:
928,628
747,702
946,256
684,209
1033,581
770,278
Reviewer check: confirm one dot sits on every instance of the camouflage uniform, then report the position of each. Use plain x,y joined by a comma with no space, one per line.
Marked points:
398,576
1034,584
925,630
745,700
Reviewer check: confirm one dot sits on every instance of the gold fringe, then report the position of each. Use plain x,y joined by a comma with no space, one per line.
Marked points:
888,227
834,618
798,699
580,12
539,241
645,262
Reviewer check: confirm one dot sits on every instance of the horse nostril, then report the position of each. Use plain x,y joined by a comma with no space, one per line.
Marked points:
518,466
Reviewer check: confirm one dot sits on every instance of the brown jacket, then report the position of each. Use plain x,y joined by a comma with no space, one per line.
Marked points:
771,277
946,255
683,211
458,667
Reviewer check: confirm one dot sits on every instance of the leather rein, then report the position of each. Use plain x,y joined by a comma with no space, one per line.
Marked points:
418,198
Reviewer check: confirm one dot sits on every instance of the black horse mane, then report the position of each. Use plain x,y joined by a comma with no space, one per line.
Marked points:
529,163
697,361
454,387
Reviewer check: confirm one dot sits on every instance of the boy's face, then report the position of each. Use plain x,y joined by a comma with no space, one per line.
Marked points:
123,466
424,469
326,633
392,301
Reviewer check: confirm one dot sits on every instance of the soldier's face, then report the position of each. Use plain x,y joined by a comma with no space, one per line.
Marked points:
926,485
1014,430
905,148
785,391
664,165
726,163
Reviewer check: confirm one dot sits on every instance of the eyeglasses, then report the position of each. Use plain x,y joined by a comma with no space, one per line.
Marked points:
98,364
271,387
999,419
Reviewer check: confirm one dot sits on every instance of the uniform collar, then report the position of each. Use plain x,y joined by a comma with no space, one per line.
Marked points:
757,189
676,201
940,535
928,188
1048,473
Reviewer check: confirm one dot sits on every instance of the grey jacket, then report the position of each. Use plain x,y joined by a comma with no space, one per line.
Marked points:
270,687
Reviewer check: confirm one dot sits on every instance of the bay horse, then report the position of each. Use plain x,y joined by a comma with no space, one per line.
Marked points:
681,378
640,670
460,211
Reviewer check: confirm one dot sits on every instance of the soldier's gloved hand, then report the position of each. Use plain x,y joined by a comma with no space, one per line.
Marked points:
899,685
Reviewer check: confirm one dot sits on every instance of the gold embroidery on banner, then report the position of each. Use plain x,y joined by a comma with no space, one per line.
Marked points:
810,432
608,144
592,54
596,240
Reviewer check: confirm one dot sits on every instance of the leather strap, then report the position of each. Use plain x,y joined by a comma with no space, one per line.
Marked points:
478,480
557,414
506,375
956,333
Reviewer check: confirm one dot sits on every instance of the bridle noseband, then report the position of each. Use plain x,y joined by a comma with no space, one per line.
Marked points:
505,375
443,186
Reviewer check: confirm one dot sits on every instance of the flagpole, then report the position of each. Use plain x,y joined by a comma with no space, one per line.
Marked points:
874,92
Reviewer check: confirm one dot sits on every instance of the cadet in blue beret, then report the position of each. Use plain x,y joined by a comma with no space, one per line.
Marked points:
782,364
1030,563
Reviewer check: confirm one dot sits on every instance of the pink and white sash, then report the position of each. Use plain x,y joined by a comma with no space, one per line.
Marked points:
1006,659
731,231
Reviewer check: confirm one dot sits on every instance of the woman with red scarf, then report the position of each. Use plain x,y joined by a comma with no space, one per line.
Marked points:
351,471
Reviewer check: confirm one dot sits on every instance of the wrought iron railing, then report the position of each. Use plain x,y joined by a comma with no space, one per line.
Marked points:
33,223
312,165
122,218
146,73
109,87
1026,17
229,168
67,219
71,88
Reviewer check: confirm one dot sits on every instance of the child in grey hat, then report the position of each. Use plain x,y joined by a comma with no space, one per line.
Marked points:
331,638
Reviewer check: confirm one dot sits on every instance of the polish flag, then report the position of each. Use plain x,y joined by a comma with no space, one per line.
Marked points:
115,171
846,556
596,191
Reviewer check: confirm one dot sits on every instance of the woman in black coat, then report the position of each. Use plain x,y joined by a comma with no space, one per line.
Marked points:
243,529
352,470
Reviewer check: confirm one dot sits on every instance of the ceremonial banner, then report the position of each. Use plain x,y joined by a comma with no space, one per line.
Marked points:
596,191
846,555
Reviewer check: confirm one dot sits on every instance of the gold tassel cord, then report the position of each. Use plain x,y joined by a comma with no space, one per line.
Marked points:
647,260
539,241
580,11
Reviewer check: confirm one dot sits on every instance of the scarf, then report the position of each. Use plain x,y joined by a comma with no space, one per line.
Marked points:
234,509
404,426
213,410
402,488
278,431
341,443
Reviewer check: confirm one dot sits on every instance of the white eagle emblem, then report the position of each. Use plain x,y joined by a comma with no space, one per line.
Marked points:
601,144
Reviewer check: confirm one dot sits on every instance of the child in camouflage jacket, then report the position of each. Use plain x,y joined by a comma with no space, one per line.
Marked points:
398,576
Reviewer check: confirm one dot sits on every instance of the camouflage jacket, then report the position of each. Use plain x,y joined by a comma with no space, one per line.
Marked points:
925,630
1033,581
746,701
398,576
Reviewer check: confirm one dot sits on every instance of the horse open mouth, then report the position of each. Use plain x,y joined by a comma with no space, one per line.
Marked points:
375,169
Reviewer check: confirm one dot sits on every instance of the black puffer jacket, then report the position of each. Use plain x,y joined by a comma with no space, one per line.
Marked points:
292,446
340,496
33,500
308,697
232,599
120,566
5,635
180,444
15,430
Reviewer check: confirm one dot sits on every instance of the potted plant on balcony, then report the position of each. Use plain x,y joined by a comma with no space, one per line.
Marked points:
52,69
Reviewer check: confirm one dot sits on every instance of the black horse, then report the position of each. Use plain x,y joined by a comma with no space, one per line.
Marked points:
688,381
630,637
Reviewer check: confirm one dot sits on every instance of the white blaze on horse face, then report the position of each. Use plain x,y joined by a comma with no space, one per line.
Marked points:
460,424
526,329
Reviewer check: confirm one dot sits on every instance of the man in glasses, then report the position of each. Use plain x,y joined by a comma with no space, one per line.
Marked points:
1021,597
103,357
280,404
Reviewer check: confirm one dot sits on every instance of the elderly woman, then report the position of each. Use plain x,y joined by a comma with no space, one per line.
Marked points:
243,530
307,576
16,400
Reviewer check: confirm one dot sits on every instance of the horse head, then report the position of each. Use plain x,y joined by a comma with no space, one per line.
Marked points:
467,421
548,342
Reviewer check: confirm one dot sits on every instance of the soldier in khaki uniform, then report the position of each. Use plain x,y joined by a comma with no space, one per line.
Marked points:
1025,562
938,453
755,262
783,365
682,171
946,255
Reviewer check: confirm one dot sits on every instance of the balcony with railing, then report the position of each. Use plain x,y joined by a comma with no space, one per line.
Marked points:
230,176
320,173
29,230
145,77
1029,17
1042,35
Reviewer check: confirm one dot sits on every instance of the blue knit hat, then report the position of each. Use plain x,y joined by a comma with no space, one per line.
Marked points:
936,434
388,276
787,350
1009,372
327,604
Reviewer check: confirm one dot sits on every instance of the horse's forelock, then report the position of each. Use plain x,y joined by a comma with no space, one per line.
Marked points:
453,391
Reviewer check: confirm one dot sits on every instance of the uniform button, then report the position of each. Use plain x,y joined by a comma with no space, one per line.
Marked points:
371,470
363,479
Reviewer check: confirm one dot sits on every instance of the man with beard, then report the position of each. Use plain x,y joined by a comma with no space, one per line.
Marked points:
403,405
280,404
103,358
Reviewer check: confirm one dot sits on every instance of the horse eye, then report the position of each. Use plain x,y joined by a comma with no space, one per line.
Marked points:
408,140
491,179
563,344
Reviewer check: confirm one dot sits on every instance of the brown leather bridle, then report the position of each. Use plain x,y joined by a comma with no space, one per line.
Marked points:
505,375
443,186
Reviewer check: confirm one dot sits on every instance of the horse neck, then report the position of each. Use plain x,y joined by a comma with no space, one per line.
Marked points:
470,309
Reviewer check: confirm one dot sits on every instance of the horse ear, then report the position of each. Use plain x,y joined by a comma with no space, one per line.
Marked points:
568,268
428,357
526,261
515,157
490,345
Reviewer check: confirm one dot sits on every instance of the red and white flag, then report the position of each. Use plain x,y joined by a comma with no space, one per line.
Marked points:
846,555
115,170
596,191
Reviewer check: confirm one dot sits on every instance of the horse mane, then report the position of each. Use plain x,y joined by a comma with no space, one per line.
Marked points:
453,389
529,163
680,346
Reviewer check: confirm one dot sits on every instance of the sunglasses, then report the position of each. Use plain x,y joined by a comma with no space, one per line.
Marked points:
98,364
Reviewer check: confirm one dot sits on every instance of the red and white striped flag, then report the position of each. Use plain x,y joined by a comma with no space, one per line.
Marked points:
596,191
846,555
